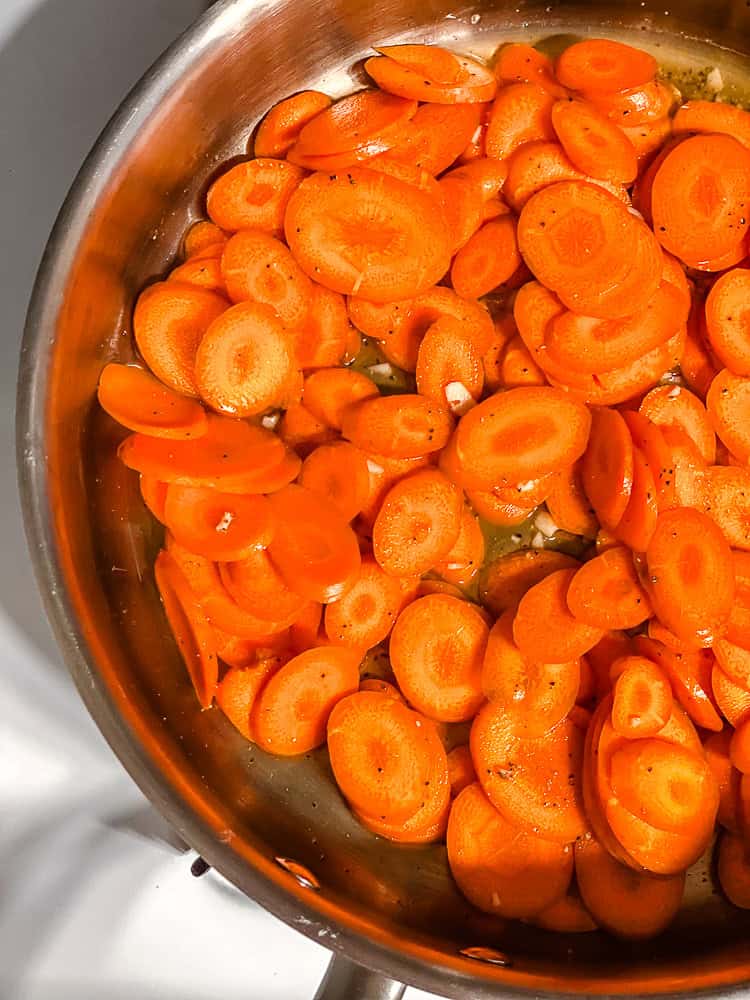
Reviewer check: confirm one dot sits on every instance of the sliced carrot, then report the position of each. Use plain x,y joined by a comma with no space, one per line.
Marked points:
518,435
673,406
291,713
488,259
728,320
501,868
431,73
534,783
649,440
521,113
367,118
648,137
257,587
657,631
564,637
134,398
403,426
690,470
219,526
638,523
492,358
323,339
496,511
690,676
382,687
314,550
465,558
382,753
607,467
169,322
600,65
648,103
305,631
605,592
739,748
595,145
232,456
536,696
300,430
739,623
203,271
461,771
338,472
697,365
449,367
585,245
734,870
418,523
691,576
567,916
330,392
238,690
518,368
728,503
595,346
517,62
436,652
463,205
245,361
629,904
190,627
365,615
534,309
202,236
695,196
733,700
716,749
489,175
736,254
712,117
281,126
154,495
241,653
727,402
437,135
642,699
221,609
734,660
253,195
611,647
535,165
338,239
259,268
506,579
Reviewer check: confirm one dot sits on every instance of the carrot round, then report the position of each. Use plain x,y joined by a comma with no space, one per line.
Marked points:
430,73
600,65
728,503
233,456
649,440
245,361
651,102
517,62
140,402
202,236
568,504
727,321
689,673
728,405
501,868
563,637
670,406
732,699
314,549
595,145
642,699
338,472
734,870
154,495
291,713
465,557
257,587
739,622
437,135
402,426
365,615
502,513
607,467
716,749
691,576
506,579
259,268
638,523
519,435
461,771
330,392
281,126
535,165
734,661
303,432
520,113
190,627
219,526
487,259
436,651
697,194
567,916
534,783
338,239
536,696
253,195
238,690
629,904
449,367
382,753
169,322
605,592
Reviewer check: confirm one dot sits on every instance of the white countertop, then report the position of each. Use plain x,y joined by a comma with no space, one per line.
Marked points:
96,899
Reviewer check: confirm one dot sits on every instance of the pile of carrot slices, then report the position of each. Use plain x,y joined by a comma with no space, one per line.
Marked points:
446,414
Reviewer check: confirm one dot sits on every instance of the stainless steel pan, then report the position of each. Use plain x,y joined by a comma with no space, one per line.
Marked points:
277,828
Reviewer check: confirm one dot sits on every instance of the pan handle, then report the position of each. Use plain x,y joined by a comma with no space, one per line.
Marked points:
345,980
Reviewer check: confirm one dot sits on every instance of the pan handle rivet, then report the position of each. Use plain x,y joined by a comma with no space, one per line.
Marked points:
303,875
488,955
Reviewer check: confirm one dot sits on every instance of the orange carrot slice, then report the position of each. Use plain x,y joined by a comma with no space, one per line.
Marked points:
303,432
338,472
202,236
461,771
506,579
430,73
488,259
716,749
238,690
564,637
605,592
727,403
600,65
535,165
134,398
281,126
728,503
449,367
521,113
403,426
595,145
607,467
672,406
466,555
253,195
365,615
568,504
257,587
517,62
219,526
734,870
642,698
638,523
727,320
154,495
437,135
259,268
330,392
